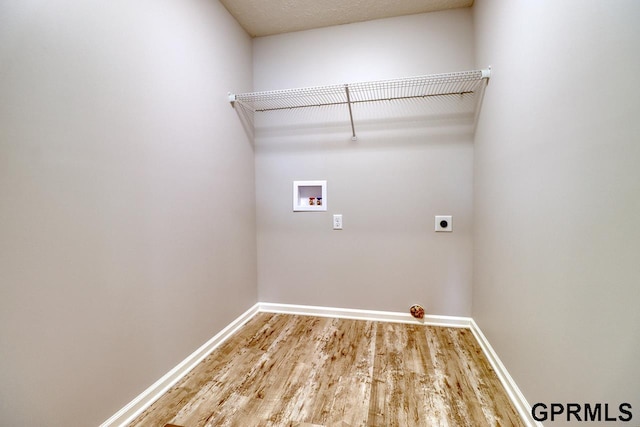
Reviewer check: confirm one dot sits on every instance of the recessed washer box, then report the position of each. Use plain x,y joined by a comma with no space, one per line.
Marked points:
309,196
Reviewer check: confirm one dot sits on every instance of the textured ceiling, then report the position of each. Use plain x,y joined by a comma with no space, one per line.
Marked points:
267,17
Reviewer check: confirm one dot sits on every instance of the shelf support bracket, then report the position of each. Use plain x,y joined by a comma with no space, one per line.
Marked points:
353,129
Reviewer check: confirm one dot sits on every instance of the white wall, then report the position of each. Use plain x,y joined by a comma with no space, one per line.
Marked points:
388,185
557,196
127,227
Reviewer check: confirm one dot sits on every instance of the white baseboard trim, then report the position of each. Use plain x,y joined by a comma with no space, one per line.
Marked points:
134,408
351,313
514,393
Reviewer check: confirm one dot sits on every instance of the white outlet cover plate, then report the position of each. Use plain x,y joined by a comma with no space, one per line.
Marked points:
337,222
439,219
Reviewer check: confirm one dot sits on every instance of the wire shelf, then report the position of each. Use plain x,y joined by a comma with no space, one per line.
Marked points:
435,85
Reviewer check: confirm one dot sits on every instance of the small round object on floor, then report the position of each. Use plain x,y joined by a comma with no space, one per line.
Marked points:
417,311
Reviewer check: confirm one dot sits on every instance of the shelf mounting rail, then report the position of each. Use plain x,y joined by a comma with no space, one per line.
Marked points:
434,85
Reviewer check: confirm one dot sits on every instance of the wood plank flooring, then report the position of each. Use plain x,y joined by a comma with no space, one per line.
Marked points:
304,371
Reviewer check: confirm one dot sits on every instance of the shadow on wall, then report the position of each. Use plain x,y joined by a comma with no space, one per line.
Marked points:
246,116
394,123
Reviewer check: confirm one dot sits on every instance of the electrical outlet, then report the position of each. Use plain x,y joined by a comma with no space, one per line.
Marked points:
337,222
444,223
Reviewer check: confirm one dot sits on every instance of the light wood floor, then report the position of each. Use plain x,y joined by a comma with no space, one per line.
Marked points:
285,370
